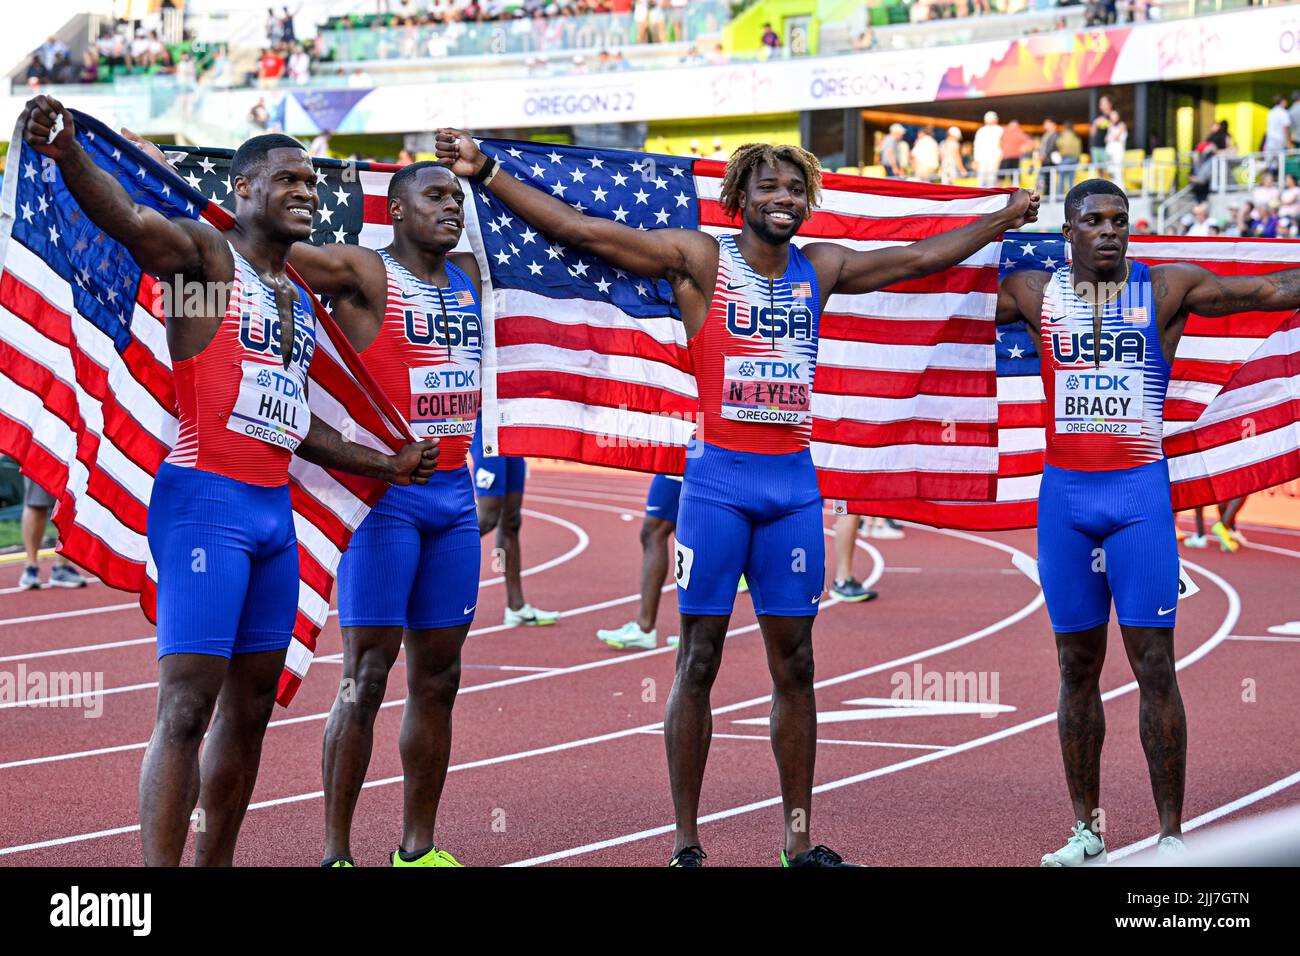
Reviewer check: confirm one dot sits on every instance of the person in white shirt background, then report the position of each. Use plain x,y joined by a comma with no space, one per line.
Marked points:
925,155
988,150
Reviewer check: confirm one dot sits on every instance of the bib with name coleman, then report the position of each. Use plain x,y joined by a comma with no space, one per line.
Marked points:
1105,392
756,356
243,413
428,355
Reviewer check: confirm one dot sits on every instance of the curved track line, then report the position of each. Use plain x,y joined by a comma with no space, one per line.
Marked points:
583,542
587,741
1225,628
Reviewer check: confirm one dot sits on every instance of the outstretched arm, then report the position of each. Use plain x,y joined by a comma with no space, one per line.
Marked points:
159,245
412,465
855,272
1196,289
654,253
333,269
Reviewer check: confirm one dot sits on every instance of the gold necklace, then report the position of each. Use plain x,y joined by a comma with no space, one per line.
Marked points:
1128,269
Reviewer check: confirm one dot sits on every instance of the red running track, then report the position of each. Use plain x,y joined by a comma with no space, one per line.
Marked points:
558,753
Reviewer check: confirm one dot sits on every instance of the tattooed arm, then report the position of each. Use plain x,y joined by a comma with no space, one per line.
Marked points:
1181,288
1020,296
412,465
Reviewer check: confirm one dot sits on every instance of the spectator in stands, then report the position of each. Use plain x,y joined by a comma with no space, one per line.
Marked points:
270,67
49,52
988,150
259,117
274,28
1266,192
719,151
1013,144
64,70
866,40
925,155
771,41
951,166
1293,111
299,65
320,146
1290,199
186,81
1200,220
287,32
1116,145
36,72
894,152
1070,148
1097,131
1142,227
1049,157
405,157
1277,130
90,65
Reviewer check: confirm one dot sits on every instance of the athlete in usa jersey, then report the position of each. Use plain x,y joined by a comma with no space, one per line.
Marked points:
750,502
410,574
1108,329
220,523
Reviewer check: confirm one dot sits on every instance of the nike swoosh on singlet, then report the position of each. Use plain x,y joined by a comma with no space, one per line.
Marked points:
733,286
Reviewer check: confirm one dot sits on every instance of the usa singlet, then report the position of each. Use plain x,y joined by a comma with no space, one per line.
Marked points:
1105,523
242,412
428,355
749,502
220,524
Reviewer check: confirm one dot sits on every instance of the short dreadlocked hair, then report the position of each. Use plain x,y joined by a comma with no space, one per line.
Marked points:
747,157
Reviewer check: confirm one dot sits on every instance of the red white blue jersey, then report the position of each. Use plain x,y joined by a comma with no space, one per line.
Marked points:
428,357
1105,394
242,412
756,356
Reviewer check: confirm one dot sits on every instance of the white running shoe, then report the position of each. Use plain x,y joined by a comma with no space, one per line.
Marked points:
629,635
1171,849
530,616
1195,541
884,532
1084,848
673,640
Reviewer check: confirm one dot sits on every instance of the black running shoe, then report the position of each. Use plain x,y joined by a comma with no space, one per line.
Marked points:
819,855
690,856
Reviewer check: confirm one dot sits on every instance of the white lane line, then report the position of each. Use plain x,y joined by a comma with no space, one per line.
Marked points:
77,650
1265,637
1225,627
60,615
82,695
587,741
766,738
1263,793
877,569
46,587
583,542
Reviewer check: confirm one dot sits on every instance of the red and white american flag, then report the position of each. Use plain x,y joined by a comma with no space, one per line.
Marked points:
591,362
1232,415
87,404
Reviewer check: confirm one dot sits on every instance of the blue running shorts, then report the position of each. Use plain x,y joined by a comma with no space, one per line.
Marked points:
662,498
414,561
496,477
1104,535
227,560
760,515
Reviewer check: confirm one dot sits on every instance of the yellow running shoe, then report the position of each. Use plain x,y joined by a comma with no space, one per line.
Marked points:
338,861
742,585
434,857
1226,540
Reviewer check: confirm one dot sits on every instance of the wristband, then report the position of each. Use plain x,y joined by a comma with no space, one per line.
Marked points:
487,171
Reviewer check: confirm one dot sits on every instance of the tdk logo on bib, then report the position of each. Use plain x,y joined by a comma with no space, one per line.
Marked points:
1072,347
771,371
769,321
452,378
451,329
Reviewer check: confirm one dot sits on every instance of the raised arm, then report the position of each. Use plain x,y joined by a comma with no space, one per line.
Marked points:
324,445
853,272
654,253
159,245
1187,288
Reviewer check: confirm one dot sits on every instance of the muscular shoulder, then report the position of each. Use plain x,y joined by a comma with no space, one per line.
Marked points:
215,261
467,264
1028,286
